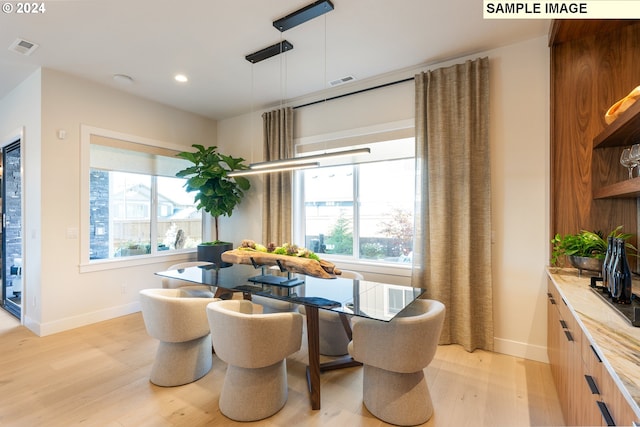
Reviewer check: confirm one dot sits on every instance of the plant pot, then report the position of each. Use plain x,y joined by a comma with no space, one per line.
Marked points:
586,263
212,253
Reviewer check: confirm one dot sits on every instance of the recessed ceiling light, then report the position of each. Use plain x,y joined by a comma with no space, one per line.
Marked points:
181,78
123,79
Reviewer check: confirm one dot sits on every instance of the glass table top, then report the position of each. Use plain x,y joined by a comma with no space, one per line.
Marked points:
361,298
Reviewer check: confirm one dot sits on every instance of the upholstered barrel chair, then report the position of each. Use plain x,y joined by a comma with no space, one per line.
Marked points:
179,322
394,355
188,287
333,336
255,346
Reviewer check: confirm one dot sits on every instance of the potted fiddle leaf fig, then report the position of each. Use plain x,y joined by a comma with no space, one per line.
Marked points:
216,193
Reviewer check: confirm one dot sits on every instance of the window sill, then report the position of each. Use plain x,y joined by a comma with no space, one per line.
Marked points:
134,261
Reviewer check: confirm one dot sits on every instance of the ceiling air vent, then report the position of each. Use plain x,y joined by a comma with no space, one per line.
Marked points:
341,81
23,47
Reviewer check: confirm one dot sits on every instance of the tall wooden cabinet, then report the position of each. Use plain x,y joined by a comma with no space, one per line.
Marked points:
594,63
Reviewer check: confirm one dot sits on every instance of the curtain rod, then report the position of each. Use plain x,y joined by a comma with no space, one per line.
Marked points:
354,93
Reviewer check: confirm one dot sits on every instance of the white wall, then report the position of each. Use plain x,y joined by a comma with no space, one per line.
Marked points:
520,171
519,135
61,297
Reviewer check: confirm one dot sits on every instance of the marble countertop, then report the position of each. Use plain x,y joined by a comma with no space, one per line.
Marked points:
616,340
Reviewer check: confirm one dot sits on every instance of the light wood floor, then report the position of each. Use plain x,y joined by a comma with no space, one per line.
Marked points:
98,376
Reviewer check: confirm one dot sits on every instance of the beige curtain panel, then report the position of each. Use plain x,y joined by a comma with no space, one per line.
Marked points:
452,250
278,144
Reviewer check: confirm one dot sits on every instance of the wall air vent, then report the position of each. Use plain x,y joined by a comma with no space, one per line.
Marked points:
23,47
342,80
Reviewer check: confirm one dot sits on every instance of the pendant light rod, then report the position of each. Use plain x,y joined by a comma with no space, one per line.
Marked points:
303,159
283,168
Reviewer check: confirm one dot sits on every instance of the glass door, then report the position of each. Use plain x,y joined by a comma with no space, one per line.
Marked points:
12,228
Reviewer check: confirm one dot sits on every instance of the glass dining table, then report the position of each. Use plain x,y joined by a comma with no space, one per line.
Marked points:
347,297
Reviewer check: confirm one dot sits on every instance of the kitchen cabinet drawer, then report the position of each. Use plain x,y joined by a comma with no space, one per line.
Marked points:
588,393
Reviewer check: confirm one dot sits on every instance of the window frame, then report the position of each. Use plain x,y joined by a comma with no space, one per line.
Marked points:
85,263
352,138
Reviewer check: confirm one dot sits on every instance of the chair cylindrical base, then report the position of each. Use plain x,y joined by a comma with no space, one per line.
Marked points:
179,363
267,388
397,398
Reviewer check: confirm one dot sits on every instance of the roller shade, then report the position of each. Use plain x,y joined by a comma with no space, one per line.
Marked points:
125,156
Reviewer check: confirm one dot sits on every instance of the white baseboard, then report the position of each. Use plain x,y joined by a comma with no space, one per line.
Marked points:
43,329
521,349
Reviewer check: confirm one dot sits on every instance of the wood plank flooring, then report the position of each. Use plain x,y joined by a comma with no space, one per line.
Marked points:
98,376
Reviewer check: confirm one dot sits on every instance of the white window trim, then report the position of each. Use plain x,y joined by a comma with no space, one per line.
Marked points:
87,266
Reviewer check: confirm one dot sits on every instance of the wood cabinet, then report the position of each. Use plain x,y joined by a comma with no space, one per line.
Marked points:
588,394
565,343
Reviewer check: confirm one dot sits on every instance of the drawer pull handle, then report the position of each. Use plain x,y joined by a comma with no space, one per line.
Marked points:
595,352
552,301
569,336
563,324
592,384
606,415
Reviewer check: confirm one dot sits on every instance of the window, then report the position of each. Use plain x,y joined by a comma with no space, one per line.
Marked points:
362,211
136,204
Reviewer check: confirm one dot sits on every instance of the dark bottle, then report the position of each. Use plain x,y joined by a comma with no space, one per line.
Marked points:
613,281
622,275
606,264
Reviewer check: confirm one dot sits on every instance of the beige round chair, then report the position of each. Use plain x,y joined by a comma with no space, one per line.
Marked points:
193,290
333,337
254,346
179,321
394,355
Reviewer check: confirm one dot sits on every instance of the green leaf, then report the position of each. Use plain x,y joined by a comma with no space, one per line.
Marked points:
217,193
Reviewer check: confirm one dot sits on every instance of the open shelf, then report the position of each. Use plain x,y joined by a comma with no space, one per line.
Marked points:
623,189
624,131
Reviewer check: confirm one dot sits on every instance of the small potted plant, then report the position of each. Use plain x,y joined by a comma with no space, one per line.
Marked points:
585,250
216,193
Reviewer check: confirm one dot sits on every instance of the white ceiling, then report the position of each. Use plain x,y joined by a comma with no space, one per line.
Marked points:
151,40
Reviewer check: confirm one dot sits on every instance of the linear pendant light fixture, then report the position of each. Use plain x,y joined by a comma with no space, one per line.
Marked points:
275,168
305,159
303,15
298,17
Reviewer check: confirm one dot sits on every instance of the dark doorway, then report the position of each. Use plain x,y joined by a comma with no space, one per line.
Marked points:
12,289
